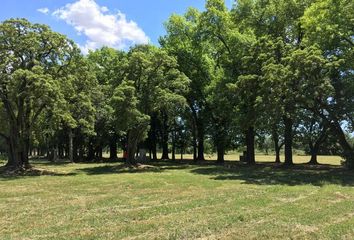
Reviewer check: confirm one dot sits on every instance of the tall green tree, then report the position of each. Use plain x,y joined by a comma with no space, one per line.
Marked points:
183,40
330,25
108,67
32,58
152,84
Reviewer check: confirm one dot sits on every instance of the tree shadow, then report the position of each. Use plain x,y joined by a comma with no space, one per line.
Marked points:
272,174
260,174
152,166
32,172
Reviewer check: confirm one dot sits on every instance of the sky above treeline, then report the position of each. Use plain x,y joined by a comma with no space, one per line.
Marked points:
96,23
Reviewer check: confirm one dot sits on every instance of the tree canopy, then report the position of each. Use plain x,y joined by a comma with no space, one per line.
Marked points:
221,79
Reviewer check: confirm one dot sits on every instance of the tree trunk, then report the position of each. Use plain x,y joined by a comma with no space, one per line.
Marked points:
277,154
99,152
91,151
75,150
314,148
200,134
164,137
152,137
25,146
348,151
250,135
60,151
14,149
131,147
81,153
195,157
173,146
71,150
221,152
55,153
277,147
288,140
113,147
314,151
165,151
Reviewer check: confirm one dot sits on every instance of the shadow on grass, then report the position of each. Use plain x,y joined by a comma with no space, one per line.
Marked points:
33,172
156,167
260,174
271,174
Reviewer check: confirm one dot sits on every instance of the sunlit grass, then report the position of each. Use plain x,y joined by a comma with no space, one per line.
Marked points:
178,201
333,160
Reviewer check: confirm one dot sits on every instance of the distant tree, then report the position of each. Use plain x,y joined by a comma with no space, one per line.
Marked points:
108,67
152,84
312,132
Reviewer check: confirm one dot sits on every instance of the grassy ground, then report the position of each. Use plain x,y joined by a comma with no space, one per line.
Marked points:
177,200
333,160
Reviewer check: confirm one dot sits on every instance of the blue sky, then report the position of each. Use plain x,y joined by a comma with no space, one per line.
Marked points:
93,23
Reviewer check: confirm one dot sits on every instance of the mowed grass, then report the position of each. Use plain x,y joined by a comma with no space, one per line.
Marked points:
179,200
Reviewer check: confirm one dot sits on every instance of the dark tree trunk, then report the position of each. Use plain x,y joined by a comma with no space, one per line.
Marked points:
221,153
19,135
314,147
75,150
54,154
288,140
250,135
277,146
200,135
348,150
31,152
152,137
91,151
277,154
131,147
195,157
17,149
99,152
173,145
154,152
61,151
26,143
314,152
113,147
71,149
165,151
14,156
81,153
164,137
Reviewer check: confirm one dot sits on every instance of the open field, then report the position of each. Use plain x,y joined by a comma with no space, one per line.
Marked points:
333,160
178,200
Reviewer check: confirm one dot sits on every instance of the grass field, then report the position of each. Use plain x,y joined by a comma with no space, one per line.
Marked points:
178,200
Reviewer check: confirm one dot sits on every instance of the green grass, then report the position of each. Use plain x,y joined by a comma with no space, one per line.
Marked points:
179,201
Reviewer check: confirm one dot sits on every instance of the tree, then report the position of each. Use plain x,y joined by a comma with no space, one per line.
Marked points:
227,45
313,132
79,109
152,84
183,41
330,24
108,67
32,58
128,117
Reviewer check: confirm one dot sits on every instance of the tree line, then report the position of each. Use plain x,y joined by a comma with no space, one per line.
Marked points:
264,69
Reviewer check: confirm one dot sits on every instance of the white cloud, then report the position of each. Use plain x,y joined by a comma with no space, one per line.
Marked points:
43,10
100,27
